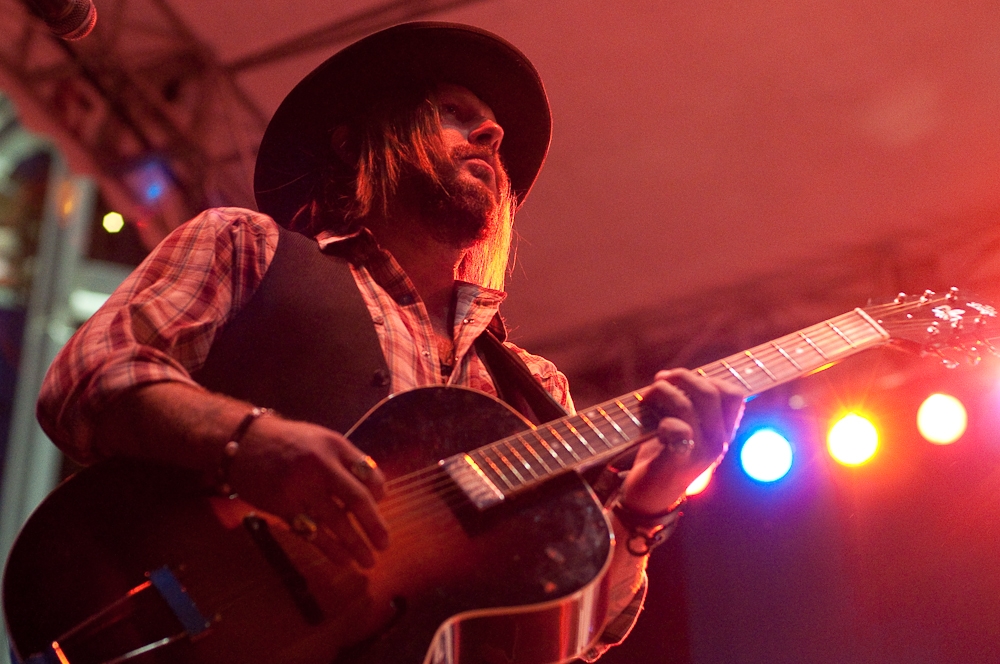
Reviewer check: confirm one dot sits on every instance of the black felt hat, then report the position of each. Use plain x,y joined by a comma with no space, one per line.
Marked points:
296,142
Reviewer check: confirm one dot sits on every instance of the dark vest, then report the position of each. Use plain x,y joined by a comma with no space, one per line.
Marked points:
304,344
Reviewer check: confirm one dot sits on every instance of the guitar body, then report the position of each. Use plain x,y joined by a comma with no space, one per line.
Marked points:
518,583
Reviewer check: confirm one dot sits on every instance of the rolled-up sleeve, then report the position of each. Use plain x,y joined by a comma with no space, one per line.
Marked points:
159,324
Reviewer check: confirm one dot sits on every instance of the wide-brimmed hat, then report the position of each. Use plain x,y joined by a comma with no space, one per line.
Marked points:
296,142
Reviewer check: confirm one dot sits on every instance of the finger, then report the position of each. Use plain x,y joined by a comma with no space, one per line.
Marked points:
336,532
706,396
677,438
358,499
366,471
668,400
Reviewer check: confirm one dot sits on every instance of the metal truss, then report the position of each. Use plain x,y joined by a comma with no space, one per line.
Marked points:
141,86
144,87
623,353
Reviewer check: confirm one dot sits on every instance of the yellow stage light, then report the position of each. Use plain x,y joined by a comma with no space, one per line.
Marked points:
852,440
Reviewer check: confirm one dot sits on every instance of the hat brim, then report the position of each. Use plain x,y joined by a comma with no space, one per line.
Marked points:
295,143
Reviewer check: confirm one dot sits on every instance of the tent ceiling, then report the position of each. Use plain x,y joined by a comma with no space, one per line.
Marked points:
701,144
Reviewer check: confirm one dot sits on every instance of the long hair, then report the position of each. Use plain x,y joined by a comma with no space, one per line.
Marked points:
368,159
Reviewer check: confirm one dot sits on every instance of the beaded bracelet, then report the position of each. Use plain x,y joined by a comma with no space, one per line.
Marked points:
646,531
232,448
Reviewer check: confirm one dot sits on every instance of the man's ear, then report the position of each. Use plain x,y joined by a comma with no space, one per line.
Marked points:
343,147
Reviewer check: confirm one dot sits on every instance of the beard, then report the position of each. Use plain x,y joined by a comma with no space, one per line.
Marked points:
455,210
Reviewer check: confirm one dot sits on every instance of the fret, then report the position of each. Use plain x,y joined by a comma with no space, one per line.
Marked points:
626,424
520,458
786,356
573,430
762,367
566,445
813,345
586,420
841,334
628,412
736,374
548,448
494,467
506,462
614,424
534,453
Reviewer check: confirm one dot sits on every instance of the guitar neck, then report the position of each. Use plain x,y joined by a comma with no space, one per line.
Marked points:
508,466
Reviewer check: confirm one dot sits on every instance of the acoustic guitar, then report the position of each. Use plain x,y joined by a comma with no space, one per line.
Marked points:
498,547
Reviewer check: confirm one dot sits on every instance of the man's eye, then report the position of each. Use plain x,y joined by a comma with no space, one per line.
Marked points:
449,109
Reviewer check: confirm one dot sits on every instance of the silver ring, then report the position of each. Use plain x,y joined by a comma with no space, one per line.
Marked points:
363,468
681,447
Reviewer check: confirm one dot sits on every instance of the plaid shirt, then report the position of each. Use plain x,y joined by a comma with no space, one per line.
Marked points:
159,325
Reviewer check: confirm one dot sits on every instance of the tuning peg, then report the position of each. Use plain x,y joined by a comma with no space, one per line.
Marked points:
899,298
952,294
928,294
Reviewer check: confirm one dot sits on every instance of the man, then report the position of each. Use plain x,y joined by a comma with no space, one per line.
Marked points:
400,162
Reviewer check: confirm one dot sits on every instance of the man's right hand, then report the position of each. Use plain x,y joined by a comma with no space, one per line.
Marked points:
288,468
294,469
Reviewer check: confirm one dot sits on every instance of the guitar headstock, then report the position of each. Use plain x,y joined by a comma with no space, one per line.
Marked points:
950,326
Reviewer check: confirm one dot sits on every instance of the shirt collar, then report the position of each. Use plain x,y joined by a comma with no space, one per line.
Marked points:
361,246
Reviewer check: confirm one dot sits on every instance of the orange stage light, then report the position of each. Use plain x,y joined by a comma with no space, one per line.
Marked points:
852,440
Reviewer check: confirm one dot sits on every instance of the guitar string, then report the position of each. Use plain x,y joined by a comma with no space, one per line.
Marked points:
405,483
418,478
438,479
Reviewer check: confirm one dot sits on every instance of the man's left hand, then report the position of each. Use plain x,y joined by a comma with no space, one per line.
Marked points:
697,419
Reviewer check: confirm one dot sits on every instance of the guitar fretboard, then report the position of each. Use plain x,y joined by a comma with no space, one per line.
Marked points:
501,469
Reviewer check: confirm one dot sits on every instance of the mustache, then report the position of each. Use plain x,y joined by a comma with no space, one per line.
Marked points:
460,152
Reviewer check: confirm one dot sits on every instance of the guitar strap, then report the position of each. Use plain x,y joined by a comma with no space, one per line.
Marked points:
514,382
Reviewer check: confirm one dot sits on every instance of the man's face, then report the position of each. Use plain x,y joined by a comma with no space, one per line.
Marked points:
470,133
460,208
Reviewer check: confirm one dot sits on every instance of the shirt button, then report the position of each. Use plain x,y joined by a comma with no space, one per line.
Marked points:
426,353
466,321
381,378
378,320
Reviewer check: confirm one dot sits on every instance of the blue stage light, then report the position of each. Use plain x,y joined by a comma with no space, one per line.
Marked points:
766,455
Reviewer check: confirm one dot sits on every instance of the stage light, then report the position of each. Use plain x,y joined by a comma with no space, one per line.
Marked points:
149,180
941,419
766,456
113,222
701,482
852,440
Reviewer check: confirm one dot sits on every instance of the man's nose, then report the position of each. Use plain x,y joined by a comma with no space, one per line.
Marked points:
487,133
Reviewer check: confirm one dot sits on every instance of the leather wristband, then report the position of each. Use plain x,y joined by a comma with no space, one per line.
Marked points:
232,448
646,531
